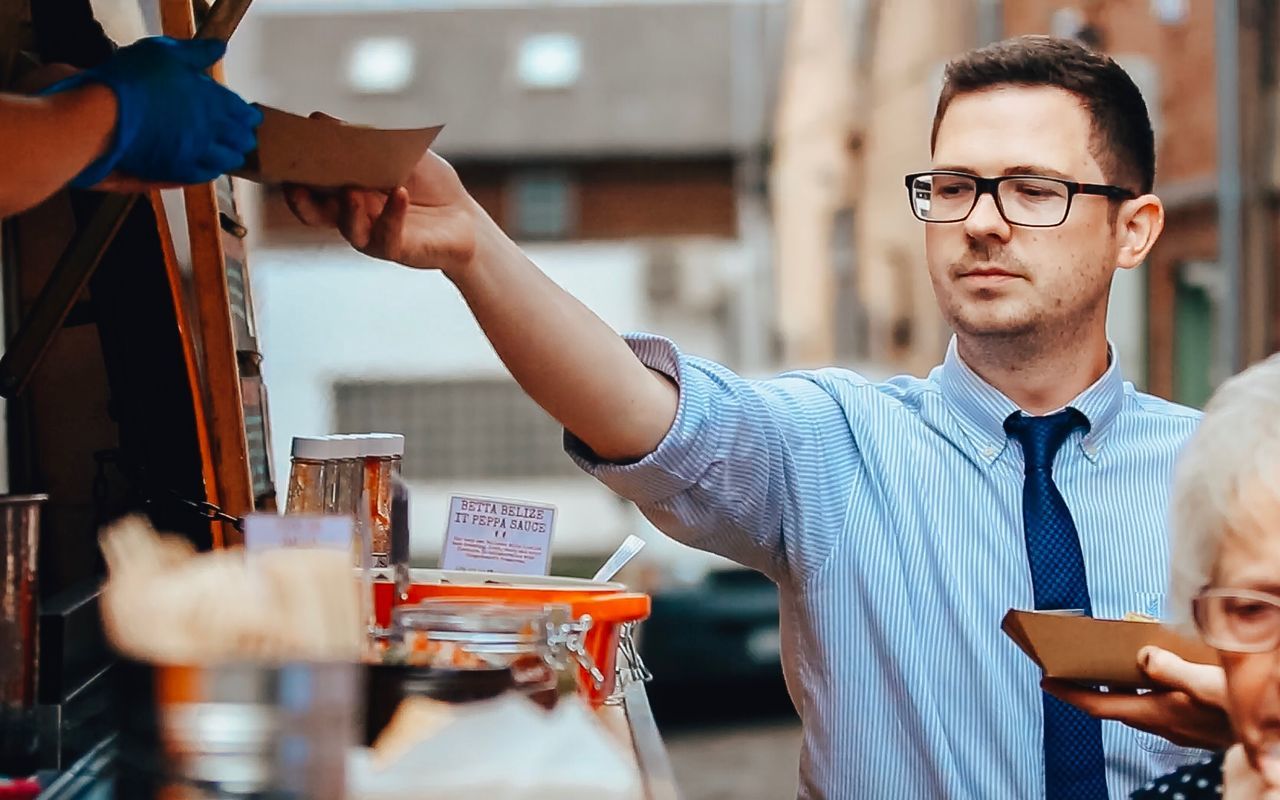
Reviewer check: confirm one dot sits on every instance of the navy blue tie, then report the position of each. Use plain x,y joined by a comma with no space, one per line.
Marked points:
1075,768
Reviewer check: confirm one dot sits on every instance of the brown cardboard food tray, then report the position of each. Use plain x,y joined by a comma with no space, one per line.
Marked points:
1101,652
327,152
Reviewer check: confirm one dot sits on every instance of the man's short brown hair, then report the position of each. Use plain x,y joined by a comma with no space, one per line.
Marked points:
1123,142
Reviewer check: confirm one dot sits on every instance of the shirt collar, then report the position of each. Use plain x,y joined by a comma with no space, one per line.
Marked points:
982,409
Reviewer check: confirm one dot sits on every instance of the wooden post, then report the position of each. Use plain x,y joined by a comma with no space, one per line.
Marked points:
213,331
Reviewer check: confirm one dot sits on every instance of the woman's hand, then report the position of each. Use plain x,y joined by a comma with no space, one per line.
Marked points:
1188,707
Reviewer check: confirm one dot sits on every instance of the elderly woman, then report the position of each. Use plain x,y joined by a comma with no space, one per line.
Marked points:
1225,579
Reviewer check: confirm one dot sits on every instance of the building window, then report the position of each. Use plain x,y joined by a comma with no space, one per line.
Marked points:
549,61
381,65
458,429
542,204
1195,340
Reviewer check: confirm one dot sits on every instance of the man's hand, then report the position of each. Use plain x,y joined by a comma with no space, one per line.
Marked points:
429,223
1188,708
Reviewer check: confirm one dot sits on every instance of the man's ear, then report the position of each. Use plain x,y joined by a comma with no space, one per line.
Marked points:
1138,225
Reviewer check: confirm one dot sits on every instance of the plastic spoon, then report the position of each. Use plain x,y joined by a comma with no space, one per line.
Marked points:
625,552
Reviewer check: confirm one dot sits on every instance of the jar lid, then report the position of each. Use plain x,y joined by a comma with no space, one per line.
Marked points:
348,445
318,448
384,445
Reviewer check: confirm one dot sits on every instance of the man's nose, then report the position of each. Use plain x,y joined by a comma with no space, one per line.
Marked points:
986,220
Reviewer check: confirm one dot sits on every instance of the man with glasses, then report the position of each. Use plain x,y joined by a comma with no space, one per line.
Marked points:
899,520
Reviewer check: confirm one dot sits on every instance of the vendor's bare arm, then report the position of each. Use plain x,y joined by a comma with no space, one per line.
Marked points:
565,357
48,140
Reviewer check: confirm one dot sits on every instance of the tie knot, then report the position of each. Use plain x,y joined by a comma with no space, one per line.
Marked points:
1041,437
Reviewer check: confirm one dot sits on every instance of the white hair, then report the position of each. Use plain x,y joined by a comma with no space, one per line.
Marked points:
1236,450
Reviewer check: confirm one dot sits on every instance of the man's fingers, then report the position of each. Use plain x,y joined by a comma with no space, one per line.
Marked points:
311,207
349,220
1205,682
387,230
359,210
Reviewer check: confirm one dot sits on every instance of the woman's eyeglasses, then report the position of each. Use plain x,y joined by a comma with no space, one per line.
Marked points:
1238,620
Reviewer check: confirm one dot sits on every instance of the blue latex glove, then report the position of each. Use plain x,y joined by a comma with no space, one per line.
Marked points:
175,124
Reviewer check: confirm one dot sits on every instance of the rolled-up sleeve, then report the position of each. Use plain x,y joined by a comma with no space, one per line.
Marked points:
751,470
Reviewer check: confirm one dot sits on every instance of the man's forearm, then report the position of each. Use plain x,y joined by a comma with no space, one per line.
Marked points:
47,141
565,357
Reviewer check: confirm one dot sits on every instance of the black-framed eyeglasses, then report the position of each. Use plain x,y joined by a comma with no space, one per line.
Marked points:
1238,620
1028,201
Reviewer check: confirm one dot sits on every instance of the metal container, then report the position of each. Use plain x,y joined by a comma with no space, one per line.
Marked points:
19,617
236,730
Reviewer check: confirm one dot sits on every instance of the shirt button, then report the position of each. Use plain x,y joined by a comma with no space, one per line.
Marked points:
988,452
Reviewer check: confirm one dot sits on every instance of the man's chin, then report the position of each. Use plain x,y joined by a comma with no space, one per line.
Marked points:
992,325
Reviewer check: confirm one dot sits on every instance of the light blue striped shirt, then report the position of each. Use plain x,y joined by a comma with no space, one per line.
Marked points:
889,514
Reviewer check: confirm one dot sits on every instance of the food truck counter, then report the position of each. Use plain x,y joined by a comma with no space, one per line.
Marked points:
631,721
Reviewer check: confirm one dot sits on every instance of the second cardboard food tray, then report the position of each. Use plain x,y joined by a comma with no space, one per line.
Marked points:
1102,652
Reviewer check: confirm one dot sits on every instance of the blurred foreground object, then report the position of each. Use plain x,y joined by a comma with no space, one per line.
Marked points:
505,748
163,603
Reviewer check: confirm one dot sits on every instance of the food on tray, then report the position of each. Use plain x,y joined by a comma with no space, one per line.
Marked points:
1137,616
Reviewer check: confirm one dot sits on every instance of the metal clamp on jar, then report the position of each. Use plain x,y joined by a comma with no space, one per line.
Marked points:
542,645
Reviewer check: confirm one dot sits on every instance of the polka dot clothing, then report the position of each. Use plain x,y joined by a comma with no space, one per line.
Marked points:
1201,781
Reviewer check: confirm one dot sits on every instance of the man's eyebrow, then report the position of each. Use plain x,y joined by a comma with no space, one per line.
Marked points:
1036,169
1020,169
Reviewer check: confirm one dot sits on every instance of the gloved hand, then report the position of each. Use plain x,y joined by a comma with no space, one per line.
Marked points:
175,124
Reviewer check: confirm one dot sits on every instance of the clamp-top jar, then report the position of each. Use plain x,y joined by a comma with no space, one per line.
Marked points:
462,634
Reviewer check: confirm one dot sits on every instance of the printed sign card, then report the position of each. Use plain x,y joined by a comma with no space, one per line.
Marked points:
492,535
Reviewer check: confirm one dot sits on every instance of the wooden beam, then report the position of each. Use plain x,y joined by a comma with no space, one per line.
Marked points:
223,402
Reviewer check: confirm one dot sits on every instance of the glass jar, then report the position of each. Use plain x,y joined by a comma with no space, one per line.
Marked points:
383,453
348,469
388,684
476,634
312,475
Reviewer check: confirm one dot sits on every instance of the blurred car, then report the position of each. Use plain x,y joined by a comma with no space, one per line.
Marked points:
713,643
